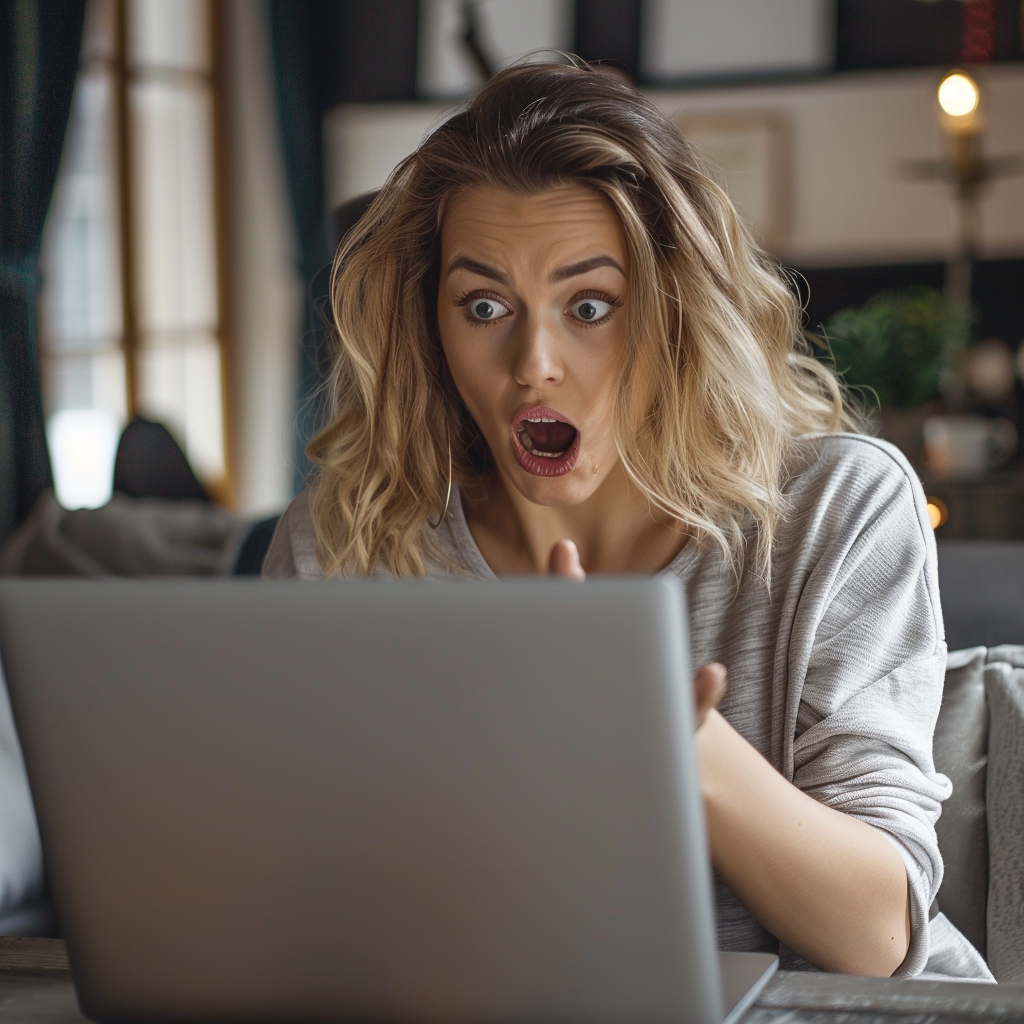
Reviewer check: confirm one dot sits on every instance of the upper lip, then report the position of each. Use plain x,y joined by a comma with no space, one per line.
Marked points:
540,412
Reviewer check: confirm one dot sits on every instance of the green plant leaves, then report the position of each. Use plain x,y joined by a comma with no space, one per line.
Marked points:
899,344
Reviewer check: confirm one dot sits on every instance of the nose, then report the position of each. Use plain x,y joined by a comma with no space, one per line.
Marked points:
538,360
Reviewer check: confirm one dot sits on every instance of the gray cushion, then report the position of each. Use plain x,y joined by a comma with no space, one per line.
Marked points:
961,745
1004,684
1012,654
21,855
126,537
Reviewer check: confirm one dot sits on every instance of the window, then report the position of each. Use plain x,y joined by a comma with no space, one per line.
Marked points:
132,308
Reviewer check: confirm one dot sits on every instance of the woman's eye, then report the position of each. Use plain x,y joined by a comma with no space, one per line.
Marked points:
589,310
487,309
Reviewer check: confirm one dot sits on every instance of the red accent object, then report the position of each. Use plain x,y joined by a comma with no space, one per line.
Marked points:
979,31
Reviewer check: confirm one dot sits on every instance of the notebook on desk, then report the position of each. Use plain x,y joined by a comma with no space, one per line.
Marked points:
409,801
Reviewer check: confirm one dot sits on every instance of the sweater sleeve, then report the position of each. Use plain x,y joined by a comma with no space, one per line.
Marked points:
292,551
874,663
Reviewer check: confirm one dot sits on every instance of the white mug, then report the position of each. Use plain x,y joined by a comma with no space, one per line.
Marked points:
967,446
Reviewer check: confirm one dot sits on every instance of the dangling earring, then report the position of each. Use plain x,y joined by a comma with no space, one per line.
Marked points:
448,496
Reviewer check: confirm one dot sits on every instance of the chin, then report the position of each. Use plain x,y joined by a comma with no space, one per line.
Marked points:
563,491
558,496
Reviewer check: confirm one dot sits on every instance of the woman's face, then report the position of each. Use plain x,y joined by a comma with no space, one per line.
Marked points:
531,315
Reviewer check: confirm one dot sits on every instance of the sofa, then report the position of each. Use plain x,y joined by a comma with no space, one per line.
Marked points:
979,744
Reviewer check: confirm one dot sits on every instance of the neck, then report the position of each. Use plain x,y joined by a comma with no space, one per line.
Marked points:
615,529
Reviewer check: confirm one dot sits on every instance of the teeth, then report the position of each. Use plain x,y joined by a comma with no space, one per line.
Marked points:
527,442
545,420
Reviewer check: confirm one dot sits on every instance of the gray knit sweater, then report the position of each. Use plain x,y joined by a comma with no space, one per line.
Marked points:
835,669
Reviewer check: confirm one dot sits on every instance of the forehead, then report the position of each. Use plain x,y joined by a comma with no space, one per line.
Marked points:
564,224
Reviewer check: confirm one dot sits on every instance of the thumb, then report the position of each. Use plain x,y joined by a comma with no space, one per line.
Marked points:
564,561
708,689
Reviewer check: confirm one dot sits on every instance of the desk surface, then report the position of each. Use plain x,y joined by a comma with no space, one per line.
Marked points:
35,988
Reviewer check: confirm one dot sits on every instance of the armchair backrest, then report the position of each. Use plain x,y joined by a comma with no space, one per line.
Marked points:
979,744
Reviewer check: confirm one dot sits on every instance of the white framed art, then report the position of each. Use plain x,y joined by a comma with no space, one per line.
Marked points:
749,154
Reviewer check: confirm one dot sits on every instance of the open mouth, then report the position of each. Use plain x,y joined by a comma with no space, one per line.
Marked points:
545,443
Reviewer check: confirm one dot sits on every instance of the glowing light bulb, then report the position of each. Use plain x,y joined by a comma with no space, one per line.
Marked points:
937,512
958,94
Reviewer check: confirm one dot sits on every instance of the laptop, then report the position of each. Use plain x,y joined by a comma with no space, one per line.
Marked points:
377,801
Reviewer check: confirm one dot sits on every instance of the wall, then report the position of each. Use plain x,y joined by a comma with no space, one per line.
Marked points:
686,38
850,203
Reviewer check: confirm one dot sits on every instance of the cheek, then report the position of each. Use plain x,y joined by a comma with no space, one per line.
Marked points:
599,373
473,364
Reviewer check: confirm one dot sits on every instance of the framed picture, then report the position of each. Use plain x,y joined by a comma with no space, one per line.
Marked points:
461,42
749,153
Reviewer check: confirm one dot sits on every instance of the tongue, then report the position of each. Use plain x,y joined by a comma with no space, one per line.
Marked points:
550,437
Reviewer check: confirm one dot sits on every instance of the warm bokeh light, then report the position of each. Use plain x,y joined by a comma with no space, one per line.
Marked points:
958,94
937,512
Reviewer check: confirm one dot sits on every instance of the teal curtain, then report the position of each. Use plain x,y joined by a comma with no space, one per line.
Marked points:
326,52
39,51
299,36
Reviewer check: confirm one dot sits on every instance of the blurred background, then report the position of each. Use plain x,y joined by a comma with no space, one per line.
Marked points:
171,171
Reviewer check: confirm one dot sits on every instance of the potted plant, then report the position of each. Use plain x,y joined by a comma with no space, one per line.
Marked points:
900,350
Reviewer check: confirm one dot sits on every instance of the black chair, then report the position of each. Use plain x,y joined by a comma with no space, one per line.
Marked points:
150,464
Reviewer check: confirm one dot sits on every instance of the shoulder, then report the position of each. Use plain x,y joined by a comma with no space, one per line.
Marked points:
851,456
292,551
858,537
852,482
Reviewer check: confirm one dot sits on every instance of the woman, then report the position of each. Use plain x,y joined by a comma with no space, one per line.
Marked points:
560,350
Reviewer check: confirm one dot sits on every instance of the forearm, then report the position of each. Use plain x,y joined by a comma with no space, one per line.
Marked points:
829,886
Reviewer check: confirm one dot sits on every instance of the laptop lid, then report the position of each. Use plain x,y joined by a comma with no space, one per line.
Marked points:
384,800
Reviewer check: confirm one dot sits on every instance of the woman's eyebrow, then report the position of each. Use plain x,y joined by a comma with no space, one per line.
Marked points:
561,274
475,267
575,269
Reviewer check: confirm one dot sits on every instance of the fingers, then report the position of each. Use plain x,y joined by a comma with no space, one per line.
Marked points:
564,561
708,689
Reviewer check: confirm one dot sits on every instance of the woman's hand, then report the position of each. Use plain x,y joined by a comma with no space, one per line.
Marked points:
708,689
564,560
709,680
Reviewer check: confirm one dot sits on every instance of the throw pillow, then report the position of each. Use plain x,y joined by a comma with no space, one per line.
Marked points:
1004,684
960,751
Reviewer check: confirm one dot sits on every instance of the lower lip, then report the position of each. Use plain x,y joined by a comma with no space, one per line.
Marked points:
538,465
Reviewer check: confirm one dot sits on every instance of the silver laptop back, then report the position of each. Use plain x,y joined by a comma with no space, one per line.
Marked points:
409,801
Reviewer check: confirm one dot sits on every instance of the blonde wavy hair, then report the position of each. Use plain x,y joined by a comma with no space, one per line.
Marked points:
718,384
